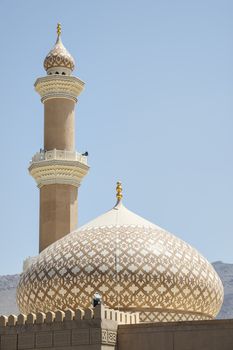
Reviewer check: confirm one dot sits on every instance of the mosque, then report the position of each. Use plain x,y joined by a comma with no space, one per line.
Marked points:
118,282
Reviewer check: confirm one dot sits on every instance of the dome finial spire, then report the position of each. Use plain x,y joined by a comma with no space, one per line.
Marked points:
119,194
59,60
58,29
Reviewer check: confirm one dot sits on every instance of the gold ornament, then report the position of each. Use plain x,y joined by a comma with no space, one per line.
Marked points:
59,29
119,191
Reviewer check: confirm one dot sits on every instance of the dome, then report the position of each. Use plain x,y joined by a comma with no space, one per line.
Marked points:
135,266
59,60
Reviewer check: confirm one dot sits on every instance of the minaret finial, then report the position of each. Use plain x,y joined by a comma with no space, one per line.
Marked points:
119,191
58,29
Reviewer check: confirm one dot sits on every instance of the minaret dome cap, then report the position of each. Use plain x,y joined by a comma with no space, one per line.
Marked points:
59,60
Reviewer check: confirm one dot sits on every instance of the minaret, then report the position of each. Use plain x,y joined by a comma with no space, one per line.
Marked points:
58,169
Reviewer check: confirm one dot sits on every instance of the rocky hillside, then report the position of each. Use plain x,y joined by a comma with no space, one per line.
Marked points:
225,272
8,286
8,290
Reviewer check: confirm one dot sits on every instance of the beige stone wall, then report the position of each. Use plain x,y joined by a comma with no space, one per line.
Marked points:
74,335
58,212
105,329
90,329
59,124
195,335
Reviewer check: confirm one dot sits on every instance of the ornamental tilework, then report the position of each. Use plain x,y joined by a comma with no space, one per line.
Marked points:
170,316
59,57
136,268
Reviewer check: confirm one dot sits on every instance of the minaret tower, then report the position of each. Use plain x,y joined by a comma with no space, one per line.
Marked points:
58,169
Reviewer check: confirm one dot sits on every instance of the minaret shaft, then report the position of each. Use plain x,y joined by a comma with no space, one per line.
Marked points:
58,202
58,212
59,124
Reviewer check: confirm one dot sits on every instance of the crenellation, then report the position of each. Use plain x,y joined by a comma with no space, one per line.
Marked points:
31,318
69,315
100,312
12,320
59,316
126,318
3,321
136,317
121,317
40,318
50,316
21,319
108,314
79,314
88,314
117,316
92,328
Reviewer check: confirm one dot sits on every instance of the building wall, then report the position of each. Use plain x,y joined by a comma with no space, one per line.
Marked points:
65,336
195,335
105,329
91,329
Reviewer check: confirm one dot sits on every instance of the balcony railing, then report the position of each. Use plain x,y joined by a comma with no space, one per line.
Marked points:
56,154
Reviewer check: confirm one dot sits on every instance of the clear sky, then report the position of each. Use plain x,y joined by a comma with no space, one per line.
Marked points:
156,114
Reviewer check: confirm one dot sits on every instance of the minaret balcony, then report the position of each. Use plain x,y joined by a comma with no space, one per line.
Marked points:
58,166
55,86
56,154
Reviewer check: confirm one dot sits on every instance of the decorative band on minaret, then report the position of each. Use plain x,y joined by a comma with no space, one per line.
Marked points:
58,169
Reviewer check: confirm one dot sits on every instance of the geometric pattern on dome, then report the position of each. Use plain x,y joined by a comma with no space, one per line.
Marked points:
162,316
59,57
136,268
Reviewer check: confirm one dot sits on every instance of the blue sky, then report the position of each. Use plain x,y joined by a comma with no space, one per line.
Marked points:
156,114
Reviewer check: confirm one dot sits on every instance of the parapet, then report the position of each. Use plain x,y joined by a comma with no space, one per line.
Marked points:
98,313
93,326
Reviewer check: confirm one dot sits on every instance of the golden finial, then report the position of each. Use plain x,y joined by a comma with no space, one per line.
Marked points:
58,29
119,191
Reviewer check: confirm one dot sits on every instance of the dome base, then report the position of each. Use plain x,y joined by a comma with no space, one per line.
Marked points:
171,316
